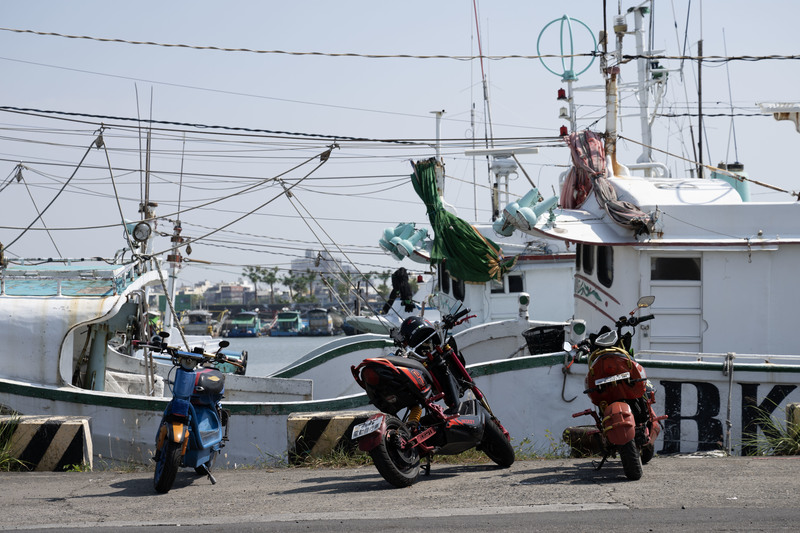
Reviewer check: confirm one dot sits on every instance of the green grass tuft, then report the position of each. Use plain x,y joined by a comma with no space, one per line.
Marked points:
9,463
779,438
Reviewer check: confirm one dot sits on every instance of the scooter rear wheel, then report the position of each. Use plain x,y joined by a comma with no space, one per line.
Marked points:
167,467
397,466
648,451
631,460
495,445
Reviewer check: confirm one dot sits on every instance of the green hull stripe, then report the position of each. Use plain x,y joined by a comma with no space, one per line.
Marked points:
333,354
157,405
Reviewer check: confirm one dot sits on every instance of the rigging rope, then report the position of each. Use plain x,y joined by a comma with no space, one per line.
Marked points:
39,216
323,158
346,278
716,169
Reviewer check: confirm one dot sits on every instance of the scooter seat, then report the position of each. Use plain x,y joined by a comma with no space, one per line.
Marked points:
405,362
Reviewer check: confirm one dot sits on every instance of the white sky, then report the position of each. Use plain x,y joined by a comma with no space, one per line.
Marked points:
346,97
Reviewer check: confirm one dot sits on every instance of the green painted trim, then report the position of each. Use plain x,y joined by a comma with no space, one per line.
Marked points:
737,367
517,363
139,403
157,405
337,404
534,361
332,354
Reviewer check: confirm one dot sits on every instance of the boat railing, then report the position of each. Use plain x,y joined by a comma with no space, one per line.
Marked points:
695,357
46,278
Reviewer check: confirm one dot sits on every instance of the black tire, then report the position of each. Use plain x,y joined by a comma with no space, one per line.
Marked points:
648,451
398,467
496,446
167,467
631,461
209,465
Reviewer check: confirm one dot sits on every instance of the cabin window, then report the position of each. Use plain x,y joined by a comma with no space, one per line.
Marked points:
578,253
587,259
508,284
675,268
458,289
497,286
605,265
444,281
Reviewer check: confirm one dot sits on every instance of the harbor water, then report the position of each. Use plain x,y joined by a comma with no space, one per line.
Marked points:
266,355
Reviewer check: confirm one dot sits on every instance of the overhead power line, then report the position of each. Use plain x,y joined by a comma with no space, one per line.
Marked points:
710,59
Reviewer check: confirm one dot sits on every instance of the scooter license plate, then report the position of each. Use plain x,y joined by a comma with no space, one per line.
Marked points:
370,426
612,379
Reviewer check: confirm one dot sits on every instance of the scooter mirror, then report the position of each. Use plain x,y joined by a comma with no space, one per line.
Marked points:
224,344
646,301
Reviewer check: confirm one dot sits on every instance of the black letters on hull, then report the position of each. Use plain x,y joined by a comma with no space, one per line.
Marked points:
752,413
709,428
706,416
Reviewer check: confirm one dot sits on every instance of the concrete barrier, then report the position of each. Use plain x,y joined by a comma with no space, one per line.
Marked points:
50,443
793,417
317,434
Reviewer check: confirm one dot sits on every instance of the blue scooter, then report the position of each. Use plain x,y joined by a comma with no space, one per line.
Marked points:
195,426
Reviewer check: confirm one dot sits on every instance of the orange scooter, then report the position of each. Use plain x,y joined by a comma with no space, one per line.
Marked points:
625,421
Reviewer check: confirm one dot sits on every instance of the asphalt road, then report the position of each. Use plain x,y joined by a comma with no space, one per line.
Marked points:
682,493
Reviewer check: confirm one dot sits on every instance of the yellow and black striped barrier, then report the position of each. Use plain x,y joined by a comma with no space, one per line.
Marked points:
318,434
49,443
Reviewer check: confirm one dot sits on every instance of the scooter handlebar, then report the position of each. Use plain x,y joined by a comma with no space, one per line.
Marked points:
633,321
452,320
460,314
222,358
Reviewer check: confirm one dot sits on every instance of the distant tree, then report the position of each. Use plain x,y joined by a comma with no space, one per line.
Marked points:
253,273
310,277
367,277
383,288
344,286
299,285
270,277
288,279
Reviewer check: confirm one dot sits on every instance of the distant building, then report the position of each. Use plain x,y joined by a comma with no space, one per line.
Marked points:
323,264
227,294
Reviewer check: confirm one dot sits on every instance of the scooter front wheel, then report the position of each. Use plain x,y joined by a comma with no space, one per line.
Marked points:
631,460
496,446
167,466
398,466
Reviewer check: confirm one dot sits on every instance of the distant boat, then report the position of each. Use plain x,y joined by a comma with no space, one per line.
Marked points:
320,323
244,324
289,324
202,322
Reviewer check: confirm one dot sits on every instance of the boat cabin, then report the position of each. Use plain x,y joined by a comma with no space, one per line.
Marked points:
722,270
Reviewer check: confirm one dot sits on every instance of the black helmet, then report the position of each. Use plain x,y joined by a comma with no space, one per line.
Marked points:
415,330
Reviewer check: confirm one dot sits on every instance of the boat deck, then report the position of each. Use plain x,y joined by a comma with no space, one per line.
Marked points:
72,280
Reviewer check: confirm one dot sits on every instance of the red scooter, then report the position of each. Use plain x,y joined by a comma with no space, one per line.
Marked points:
424,370
625,421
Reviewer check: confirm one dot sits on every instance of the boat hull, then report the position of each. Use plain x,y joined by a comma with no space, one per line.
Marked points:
699,399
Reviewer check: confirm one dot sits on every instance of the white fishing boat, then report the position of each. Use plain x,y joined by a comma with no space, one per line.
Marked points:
720,351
